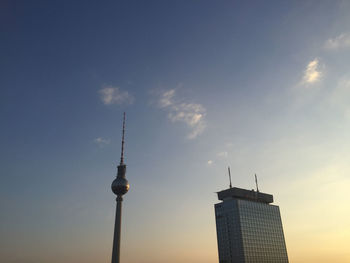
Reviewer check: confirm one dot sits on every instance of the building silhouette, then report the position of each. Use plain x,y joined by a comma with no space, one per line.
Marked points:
249,229
120,186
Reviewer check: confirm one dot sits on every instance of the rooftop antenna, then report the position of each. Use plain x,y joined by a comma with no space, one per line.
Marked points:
229,175
122,153
256,183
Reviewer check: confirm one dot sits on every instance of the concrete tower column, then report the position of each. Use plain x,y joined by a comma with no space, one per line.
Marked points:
117,231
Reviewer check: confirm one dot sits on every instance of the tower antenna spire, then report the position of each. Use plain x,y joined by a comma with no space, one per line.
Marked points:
122,152
229,175
256,183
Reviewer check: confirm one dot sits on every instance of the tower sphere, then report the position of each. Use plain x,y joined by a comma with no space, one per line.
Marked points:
120,186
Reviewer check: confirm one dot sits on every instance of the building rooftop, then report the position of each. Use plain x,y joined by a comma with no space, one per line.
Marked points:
244,194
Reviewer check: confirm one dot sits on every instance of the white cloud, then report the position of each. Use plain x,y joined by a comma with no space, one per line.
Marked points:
166,98
210,162
191,114
312,72
223,154
101,141
114,95
339,42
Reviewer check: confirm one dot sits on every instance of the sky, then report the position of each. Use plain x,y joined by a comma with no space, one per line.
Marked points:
260,86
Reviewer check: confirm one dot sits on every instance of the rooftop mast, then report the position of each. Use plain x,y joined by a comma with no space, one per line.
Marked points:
229,175
256,183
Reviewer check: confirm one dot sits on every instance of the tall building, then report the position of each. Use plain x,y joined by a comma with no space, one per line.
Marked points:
120,187
249,229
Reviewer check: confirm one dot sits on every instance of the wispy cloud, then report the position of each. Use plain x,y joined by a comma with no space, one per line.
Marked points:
223,154
339,42
166,98
114,95
304,91
102,141
312,72
192,114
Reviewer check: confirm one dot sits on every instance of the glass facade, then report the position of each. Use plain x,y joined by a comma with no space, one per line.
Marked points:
249,232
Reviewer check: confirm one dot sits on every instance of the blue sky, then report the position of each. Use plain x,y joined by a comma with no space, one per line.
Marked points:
262,86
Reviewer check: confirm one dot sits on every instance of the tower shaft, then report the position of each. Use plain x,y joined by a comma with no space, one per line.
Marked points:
117,231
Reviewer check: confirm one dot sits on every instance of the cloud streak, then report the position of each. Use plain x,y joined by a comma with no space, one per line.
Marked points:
340,42
223,155
101,141
312,72
114,95
192,114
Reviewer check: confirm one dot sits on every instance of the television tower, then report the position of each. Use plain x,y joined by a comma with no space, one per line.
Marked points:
120,187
